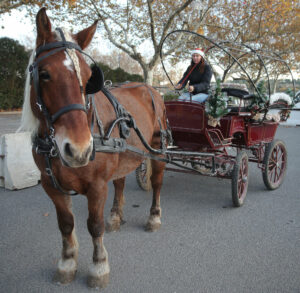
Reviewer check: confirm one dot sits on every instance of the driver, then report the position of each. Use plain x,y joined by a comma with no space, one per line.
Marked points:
199,75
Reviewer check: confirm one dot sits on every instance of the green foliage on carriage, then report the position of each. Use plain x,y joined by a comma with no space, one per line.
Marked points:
118,75
217,104
260,98
171,96
13,63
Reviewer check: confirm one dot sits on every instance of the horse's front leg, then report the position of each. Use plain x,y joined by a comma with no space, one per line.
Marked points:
115,219
154,221
67,265
99,270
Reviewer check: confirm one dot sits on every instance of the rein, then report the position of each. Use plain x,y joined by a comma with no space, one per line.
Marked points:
189,73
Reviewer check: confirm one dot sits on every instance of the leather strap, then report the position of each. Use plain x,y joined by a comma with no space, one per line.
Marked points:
67,109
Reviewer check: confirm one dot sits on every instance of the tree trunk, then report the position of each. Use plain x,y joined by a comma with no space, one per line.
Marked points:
148,72
274,86
149,77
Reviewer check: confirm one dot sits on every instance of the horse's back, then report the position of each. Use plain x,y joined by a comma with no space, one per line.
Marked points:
142,101
133,95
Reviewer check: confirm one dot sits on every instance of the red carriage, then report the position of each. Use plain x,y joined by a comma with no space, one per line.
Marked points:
224,147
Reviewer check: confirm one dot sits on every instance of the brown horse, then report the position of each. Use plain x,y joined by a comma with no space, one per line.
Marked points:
62,78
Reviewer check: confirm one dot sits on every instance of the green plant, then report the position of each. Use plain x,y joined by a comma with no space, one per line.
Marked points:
260,99
171,96
216,104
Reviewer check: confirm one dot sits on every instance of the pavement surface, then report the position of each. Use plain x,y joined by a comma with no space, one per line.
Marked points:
204,244
9,122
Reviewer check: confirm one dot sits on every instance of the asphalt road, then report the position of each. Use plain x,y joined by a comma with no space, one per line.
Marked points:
9,122
204,244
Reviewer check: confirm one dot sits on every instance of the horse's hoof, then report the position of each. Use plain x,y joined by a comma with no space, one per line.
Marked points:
66,271
98,282
113,223
153,224
112,227
64,277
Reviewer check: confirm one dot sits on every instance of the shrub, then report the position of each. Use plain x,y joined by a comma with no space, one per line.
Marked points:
118,75
13,63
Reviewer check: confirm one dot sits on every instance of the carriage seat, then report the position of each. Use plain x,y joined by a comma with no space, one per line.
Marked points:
239,96
237,93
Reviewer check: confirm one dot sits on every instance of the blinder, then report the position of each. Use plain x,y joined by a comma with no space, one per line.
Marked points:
96,81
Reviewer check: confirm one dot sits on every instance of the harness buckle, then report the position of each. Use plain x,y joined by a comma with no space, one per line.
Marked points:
88,104
40,106
49,171
53,152
108,83
51,130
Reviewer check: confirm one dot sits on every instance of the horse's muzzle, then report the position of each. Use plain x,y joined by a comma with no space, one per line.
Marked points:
74,156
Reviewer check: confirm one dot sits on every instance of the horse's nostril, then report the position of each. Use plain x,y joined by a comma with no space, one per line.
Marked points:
68,150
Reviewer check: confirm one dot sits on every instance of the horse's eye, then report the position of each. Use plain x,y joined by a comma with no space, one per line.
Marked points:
44,75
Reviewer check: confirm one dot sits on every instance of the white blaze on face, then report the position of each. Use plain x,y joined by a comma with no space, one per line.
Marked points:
68,62
72,56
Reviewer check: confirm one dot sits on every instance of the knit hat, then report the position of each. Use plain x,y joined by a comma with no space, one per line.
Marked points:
198,51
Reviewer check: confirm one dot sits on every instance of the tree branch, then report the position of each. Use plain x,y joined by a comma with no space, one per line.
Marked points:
152,25
169,22
134,54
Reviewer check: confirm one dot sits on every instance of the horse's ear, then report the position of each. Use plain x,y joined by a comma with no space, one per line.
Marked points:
43,26
85,36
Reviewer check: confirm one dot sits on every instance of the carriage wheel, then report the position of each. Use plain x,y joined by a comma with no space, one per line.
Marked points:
240,179
275,163
143,174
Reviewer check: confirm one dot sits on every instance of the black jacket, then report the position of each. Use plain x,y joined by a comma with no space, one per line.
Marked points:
201,82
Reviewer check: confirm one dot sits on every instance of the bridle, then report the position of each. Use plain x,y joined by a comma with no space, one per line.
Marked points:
46,145
56,47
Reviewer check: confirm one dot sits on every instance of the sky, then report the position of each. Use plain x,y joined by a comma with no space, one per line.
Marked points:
18,27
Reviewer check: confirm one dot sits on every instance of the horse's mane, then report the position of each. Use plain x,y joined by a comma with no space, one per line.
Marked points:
28,121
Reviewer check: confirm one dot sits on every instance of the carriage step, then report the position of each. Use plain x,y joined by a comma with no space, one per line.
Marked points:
216,138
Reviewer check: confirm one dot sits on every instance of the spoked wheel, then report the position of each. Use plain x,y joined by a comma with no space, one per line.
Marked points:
143,174
240,179
275,163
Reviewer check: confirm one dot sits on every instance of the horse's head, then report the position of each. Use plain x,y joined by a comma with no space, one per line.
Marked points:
59,80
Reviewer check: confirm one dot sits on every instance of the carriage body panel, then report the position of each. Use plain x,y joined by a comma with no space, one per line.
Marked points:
263,132
188,124
191,131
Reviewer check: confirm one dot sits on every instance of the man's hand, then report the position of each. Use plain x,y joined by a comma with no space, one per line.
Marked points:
178,86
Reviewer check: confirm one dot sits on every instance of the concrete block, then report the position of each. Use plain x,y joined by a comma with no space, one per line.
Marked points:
17,167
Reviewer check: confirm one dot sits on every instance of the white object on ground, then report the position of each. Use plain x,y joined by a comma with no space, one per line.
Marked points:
17,167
